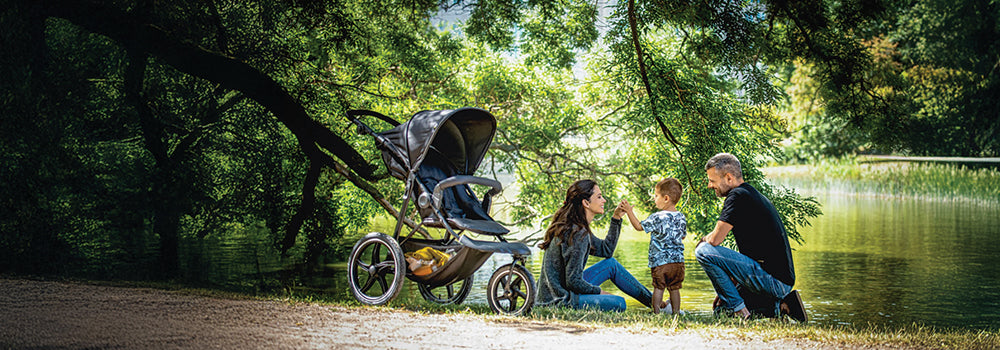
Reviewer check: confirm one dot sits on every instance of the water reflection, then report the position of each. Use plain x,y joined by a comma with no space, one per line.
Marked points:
896,261
867,260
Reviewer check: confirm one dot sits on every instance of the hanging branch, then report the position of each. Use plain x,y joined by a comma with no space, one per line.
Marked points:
231,73
652,98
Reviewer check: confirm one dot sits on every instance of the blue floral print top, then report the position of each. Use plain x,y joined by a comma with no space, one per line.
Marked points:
667,230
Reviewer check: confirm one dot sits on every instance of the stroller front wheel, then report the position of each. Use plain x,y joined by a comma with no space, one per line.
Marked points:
511,290
376,269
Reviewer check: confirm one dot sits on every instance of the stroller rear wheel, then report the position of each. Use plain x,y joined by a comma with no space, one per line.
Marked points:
511,290
454,293
376,269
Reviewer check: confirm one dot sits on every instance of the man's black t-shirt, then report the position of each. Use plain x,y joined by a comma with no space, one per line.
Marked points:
759,232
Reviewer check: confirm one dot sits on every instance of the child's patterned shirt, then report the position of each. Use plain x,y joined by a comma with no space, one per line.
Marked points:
667,230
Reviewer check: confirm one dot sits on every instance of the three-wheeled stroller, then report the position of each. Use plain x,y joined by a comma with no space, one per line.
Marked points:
436,154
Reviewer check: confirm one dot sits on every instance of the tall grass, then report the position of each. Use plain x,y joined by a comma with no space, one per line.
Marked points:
929,181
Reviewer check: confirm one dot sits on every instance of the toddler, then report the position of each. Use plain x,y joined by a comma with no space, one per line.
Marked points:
667,229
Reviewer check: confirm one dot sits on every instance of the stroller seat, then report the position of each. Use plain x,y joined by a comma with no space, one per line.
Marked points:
478,226
461,208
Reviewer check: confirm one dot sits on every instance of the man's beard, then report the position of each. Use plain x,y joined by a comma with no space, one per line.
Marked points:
723,192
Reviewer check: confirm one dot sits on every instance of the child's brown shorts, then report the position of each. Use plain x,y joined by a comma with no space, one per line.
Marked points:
668,276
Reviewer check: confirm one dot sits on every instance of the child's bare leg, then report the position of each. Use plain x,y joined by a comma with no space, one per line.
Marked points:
657,300
675,301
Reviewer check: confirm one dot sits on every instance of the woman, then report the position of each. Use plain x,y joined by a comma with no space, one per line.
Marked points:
567,244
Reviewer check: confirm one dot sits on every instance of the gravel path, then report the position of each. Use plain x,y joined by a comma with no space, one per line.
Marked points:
43,314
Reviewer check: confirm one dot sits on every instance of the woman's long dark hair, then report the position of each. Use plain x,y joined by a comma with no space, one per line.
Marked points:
571,217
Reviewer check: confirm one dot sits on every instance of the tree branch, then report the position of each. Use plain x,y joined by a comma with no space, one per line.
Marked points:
212,66
649,90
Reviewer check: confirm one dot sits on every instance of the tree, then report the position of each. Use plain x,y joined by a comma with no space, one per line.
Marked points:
218,95
934,63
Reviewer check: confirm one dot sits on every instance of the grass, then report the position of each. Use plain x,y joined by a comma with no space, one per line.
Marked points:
925,181
913,336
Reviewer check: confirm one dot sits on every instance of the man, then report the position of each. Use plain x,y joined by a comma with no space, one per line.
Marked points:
763,265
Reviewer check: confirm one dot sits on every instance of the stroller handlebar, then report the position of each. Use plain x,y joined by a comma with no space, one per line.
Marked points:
363,128
353,114
495,187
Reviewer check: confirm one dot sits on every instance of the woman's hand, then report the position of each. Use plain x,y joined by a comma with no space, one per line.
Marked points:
621,209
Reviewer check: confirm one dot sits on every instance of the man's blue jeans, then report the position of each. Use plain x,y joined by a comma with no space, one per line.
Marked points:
611,269
723,265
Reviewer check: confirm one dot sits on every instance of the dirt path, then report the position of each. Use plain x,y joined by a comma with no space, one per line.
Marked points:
40,314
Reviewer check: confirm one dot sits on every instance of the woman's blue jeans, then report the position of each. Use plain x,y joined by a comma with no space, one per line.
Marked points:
723,265
611,269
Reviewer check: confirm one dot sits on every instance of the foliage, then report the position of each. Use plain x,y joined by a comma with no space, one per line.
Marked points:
932,73
814,133
134,130
658,105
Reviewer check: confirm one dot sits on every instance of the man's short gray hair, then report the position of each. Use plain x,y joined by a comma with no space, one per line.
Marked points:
725,163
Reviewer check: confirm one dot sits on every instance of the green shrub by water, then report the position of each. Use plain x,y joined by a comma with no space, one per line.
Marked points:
933,181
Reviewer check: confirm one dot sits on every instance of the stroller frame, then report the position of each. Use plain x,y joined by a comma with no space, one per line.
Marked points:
436,153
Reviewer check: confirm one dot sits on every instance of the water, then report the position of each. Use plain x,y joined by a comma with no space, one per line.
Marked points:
896,261
868,260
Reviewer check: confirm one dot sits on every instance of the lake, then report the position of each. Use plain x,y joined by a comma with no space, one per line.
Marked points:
867,260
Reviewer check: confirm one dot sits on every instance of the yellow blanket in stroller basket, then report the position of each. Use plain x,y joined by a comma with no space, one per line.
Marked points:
426,260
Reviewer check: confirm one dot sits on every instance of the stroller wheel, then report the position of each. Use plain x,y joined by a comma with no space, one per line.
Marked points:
376,269
454,293
511,290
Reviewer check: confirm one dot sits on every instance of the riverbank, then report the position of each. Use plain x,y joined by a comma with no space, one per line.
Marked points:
974,183
51,314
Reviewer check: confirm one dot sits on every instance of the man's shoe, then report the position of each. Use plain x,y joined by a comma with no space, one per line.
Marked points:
792,306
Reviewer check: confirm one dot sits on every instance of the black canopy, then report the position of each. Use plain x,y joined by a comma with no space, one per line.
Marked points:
461,136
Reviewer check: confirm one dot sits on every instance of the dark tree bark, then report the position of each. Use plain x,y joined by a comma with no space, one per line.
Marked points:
215,67
132,32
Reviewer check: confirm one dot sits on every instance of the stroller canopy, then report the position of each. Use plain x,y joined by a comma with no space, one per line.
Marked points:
461,136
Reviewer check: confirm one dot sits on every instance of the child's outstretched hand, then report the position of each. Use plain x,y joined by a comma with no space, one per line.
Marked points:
621,210
627,208
625,204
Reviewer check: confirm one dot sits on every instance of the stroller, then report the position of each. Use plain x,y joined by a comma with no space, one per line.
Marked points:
436,154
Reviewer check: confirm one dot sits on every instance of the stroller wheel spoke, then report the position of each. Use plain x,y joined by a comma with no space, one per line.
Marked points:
518,293
368,284
513,302
376,254
382,282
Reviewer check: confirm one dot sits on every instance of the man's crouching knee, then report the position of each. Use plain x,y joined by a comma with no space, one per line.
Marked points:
703,252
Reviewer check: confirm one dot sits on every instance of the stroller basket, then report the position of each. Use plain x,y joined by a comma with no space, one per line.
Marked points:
463,263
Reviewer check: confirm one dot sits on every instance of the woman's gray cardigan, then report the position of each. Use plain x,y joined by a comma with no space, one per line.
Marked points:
562,281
